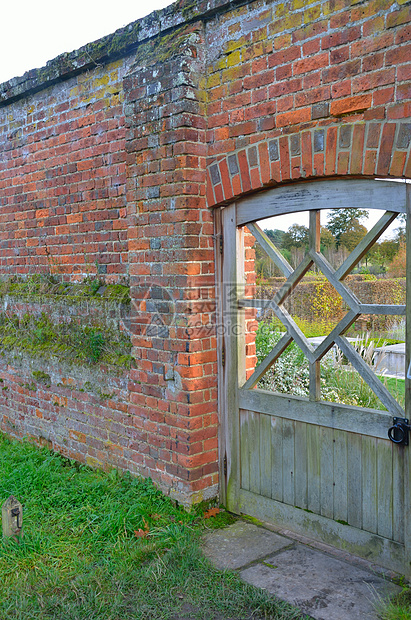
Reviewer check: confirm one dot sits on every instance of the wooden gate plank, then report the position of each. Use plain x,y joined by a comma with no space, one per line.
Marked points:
398,507
244,449
327,471
230,369
354,480
385,482
340,477
254,447
301,473
369,484
265,455
333,194
334,415
313,468
277,458
288,461
407,455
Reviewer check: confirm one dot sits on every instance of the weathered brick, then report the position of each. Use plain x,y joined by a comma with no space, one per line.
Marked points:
107,176
351,104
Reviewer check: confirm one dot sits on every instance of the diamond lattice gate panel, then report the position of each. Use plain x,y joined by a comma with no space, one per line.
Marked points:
327,470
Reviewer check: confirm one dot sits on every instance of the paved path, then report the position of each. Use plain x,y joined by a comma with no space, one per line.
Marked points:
324,583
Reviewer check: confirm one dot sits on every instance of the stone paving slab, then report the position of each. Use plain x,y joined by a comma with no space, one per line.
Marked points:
322,586
240,544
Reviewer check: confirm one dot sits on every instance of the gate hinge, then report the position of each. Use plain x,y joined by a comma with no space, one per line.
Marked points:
223,355
221,244
225,465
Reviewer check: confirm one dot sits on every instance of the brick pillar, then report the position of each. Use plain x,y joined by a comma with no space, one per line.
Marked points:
174,387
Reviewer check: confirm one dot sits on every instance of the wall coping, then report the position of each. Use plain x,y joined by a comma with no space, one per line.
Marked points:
120,43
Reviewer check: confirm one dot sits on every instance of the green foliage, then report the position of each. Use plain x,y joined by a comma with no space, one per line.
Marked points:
42,377
94,284
341,221
72,342
106,545
94,343
266,337
50,286
399,608
326,304
351,238
327,239
297,236
340,383
276,236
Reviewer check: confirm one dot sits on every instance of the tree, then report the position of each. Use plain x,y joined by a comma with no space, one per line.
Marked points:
397,269
275,236
297,236
341,221
400,231
327,238
352,237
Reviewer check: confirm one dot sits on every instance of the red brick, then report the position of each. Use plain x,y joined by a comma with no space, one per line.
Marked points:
357,149
397,164
396,18
294,117
306,147
244,172
225,178
352,104
285,56
319,164
284,159
310,64
403,91
276,171
343,161
331,150
255,178
387,141
264,162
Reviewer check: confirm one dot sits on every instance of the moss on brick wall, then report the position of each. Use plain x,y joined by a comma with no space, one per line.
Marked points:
46,318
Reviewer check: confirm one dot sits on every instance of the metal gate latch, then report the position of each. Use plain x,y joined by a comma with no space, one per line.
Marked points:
399,432
15,512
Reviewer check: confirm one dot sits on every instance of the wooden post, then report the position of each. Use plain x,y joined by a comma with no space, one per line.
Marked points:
12,518
406,450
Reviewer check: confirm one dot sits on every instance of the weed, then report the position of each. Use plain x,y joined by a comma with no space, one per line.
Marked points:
94,343
399,608
42,377
72,342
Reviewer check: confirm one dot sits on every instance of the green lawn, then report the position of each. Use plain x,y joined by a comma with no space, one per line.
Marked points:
396,387
83,557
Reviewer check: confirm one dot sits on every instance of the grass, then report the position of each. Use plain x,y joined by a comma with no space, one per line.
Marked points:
399,608
109,546
395,386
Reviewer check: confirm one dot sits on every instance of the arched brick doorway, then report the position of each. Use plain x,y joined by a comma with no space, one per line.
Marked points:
355,481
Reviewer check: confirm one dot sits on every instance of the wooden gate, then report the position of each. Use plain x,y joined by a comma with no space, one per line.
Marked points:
321,469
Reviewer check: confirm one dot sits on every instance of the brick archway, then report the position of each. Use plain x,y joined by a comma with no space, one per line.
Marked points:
366,149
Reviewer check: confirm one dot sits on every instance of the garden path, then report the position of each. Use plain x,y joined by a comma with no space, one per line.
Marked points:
325,583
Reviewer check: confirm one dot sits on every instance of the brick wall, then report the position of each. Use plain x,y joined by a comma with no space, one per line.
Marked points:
308,89
110,160
62,178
